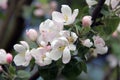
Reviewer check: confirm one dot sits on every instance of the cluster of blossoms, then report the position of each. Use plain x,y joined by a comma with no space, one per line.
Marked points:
54,42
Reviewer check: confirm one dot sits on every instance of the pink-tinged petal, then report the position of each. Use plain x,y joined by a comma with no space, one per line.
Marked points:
28,56
66,10
58,17
66,55
55,54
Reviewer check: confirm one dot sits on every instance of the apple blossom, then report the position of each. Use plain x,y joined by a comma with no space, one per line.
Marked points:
60,48
86,21
66,17
99,44
71,37
40,56
87,43
32,34
23,57
9,58
48,31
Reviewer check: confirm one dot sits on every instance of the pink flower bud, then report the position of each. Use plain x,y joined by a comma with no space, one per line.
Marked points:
115,34
38,12
86,21
32,34
9,58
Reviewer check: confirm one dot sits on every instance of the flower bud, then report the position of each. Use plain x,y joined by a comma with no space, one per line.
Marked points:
38,12
32,34
115,34
9,58
87,43
86,21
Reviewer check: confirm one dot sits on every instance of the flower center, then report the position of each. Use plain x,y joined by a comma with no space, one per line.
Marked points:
66,17
70,39
61,48
43,56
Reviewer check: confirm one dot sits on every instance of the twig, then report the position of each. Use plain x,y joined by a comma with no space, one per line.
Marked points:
97,10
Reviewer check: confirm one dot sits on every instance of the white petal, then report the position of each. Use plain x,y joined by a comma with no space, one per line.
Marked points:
74,36
28,56
19,59
91,2
87,43
75,13
55,54
19,48
66,56
102,50
2,56
72,47
37,53
58,17
25,44
66,10
47,61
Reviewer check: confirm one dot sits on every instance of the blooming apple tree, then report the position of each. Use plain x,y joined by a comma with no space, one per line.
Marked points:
63,45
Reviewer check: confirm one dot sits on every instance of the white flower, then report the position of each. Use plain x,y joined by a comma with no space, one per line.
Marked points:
60,49
48,31
87,43
112,3
66,17
91,2
100,45
71,37
32,34
40,56
23,57
3,55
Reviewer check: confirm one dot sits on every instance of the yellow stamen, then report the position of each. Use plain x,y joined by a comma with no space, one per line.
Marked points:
70,39
61,48
66,17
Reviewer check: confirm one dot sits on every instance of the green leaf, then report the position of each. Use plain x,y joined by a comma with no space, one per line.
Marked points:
23,74
12,69
110,25
72,69
116,49
84,67
49,72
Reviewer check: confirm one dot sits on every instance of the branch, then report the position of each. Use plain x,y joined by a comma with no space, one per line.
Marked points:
97,10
